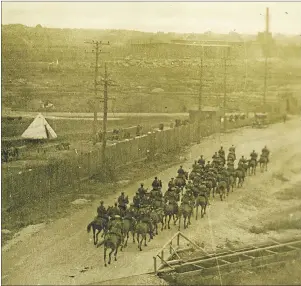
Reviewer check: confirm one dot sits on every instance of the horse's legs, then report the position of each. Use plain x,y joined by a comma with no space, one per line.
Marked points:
144,237
133,234
169,218
115,254
105,255
94,238
98,231
110,255
162,223
165,219
127,237
140,243
196,211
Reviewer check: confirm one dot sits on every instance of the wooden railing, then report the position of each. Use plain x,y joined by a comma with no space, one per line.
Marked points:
173,251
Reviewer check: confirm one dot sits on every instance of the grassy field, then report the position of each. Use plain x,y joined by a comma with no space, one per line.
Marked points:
69,86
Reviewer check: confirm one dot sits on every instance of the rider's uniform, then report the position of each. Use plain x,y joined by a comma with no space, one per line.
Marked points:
265,153
156,184
201,162
254,156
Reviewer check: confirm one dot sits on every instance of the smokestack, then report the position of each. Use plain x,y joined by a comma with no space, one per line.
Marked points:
267,20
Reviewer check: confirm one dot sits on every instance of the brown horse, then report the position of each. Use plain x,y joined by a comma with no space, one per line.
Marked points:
202,201
240,175
112,240
221,189
157,216
252,166
142,229
180,182
128,225
171,210
186,212
263,161
98,224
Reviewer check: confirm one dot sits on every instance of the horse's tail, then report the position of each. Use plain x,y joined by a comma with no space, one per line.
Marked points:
89,227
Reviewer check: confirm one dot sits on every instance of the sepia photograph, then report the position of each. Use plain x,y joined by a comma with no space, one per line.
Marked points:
150,143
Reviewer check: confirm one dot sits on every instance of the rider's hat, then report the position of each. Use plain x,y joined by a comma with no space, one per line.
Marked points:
101,202
142,184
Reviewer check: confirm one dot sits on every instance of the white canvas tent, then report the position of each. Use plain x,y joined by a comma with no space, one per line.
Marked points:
39,129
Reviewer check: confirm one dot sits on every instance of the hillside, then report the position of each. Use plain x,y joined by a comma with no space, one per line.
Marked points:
172,70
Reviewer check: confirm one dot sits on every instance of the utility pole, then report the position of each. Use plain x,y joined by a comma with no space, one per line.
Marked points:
97,49
200,103
266,51
105,114
201,86
225,91
95,88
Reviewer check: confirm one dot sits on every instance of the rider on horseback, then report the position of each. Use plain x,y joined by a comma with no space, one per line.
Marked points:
156,184
145,218
221,152
122,202
141,190
115,211
101,210
242,161
232,149
136,200
181,173
208,166
265,153
254,156
202,161
215,158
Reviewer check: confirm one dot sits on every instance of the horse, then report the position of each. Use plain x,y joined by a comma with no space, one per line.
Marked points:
231,182
186,212
142,229
263,161
202,201
252,167
157,216
231,157
170,210
112,240
128,225
98,224
221,189
157,203
180,181
241,177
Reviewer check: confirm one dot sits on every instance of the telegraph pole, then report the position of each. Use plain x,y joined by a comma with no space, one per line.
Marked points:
200,103
105,113
225,91
201,86
266,51
97,49
95,88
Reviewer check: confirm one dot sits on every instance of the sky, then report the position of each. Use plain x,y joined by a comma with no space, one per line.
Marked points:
180,17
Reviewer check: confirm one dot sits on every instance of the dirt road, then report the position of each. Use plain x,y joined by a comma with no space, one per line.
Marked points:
57,252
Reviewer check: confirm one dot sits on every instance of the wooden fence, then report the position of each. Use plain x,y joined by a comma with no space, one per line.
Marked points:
39,182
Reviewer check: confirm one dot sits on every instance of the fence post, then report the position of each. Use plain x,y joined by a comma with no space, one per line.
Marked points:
178,239
155,264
